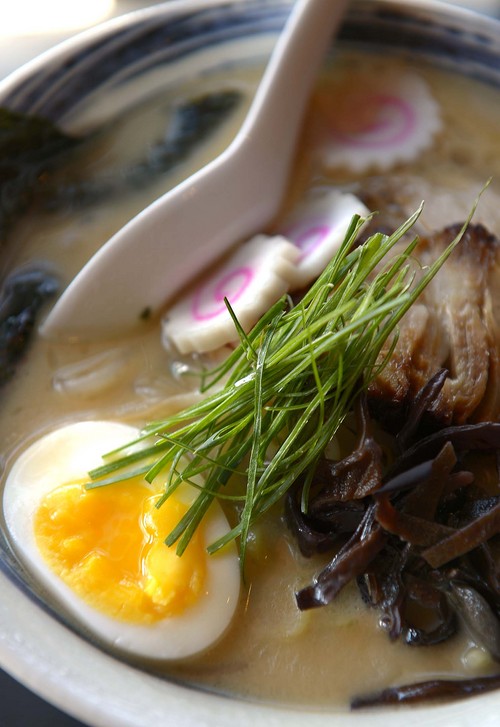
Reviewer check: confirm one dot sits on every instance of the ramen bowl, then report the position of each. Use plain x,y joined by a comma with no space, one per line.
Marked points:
86,87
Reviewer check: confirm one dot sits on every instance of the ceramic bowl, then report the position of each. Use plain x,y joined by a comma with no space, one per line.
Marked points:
166,44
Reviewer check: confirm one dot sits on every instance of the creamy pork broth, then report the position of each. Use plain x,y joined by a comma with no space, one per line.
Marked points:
321,657
272,651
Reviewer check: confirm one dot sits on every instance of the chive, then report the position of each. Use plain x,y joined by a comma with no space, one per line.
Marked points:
289,384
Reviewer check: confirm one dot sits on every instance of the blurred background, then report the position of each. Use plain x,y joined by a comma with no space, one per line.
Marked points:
28,27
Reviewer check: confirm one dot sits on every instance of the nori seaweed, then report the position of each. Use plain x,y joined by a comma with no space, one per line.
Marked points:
31,150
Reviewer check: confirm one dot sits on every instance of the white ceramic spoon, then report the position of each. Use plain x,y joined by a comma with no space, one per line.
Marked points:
178,236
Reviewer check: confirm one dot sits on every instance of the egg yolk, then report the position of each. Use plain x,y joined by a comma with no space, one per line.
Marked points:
107,545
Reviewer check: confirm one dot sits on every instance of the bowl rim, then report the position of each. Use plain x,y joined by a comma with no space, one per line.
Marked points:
170,8
66,675
80,40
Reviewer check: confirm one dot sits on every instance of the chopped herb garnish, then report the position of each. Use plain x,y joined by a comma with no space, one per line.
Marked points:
288,387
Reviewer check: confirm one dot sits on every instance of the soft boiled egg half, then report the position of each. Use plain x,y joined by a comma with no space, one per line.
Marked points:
101,552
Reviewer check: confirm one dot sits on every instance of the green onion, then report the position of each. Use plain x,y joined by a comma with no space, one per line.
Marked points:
289,386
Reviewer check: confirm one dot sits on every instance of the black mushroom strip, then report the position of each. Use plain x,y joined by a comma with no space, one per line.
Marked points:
419,548
438,689
414,523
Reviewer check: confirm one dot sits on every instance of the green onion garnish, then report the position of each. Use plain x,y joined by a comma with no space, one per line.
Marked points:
289,386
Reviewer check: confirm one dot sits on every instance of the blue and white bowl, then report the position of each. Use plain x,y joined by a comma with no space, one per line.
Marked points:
167,44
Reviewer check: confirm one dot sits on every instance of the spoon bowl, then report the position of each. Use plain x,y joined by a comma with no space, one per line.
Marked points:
158,252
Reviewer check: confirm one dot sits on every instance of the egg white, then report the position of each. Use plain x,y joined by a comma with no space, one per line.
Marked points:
67,454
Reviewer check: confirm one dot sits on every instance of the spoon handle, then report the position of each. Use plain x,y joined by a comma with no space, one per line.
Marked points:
275,117
178,236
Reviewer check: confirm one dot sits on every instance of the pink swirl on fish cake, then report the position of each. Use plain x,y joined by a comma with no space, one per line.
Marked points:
393,122
308,237
208,301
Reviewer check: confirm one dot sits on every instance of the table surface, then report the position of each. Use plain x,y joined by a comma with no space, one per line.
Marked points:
21,708
18,706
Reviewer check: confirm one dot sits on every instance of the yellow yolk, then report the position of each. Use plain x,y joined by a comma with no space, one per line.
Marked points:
107,544
100,554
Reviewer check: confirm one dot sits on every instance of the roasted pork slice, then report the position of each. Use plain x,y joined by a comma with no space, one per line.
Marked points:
455,326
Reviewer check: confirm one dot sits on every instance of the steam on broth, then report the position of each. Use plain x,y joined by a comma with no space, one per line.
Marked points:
272,650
